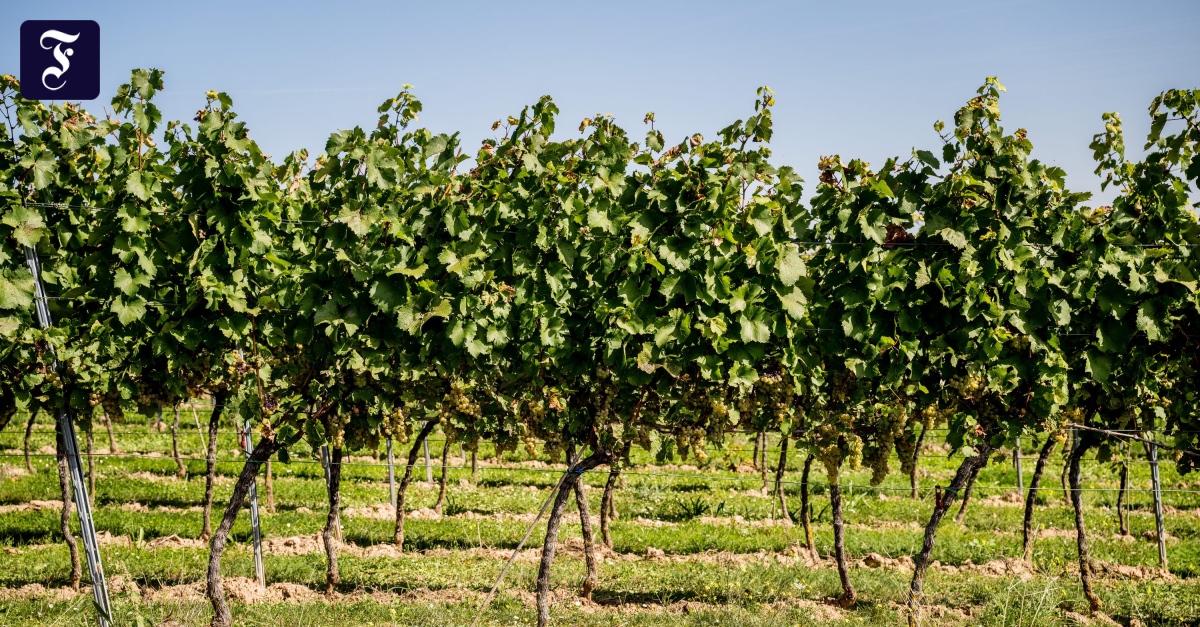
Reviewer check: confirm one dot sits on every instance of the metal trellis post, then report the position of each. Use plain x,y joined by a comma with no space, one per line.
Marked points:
83,508
1152,452
255,527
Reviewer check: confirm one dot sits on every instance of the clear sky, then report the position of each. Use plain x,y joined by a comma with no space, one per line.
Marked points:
862,79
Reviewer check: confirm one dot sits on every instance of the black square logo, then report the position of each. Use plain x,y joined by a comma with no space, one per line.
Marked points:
60,60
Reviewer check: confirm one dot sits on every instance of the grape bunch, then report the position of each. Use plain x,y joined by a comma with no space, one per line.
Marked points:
458,401
691,440
837,444
968,387
906,441
395,424
882,434
747,407
779,391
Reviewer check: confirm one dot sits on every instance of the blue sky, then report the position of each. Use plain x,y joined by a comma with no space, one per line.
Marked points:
862,79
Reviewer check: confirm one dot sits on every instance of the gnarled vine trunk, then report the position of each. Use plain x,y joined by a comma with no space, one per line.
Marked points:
806,507
556,514
783,508
64,484
608,502
942,504
475,467
1122,491
1083,442
589,547
913,483
402,490
28,434
1031,497
112,438
966,500
1068,446
210,461
216,592
849,595
332,534
608,510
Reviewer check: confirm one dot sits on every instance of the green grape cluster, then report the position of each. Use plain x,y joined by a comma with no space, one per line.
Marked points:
335,432
991,410
836,443
52,379
236,365
603,398
458,401
779,391
395,424
555,449
693,398
150,395
886,430
691,439
197,377
530,444
906,441
968,387
718,409
643,438
747,407
112,406
932,414
531,411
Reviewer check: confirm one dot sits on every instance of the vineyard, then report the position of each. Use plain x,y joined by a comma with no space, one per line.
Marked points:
581,378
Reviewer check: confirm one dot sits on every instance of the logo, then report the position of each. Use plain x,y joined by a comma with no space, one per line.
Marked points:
60,60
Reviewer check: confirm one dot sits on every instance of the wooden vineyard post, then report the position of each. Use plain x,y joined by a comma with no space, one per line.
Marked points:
391,462
255,527
83,508
1156,481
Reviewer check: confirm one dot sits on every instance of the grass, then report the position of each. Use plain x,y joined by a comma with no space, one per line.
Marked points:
681,510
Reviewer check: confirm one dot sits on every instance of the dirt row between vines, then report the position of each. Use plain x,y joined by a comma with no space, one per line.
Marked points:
247,591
